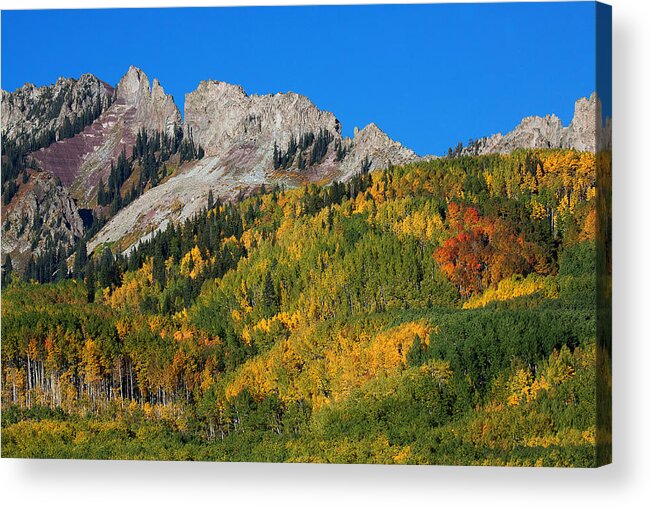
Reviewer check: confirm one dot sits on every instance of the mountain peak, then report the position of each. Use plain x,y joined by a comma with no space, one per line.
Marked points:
372,147
584,133
587,131
222,115
212,87
155,110
133,86
370,129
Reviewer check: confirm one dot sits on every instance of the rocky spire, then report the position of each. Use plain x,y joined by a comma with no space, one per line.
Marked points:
154,110
587,132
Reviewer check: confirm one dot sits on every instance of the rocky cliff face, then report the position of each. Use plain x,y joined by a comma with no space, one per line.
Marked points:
31,113
152,108
243,136
224,120
81,161
220,115
586,132
41,210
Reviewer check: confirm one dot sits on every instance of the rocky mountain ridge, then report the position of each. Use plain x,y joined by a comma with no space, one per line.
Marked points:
72,167
243,137
31,113
222,117
249,140
586,132
85,159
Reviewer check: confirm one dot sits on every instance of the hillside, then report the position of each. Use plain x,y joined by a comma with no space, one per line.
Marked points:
435,312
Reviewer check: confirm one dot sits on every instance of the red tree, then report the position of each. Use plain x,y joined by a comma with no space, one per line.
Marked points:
483,251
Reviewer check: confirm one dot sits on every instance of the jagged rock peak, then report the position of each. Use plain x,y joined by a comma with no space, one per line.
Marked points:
371,128
133,86
373,146
587,132
584,133
372,131
154,110
221,116
380,140
157,89
33,113
373,135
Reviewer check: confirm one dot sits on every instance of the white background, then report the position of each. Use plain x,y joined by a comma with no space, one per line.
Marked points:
626,482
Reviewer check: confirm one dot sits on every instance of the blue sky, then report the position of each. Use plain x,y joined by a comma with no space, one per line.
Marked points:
428,75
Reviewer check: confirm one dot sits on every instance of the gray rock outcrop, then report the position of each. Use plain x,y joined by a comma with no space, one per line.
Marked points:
153,109
29,113
41,211
221,115
586,132
372,146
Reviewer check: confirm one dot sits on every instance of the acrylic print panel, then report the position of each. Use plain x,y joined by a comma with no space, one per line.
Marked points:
293,236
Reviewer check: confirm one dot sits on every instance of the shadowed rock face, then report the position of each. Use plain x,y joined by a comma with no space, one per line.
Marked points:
42,199
585,132
81,161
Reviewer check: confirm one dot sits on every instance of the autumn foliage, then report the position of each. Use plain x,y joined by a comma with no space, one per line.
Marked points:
441,312
482,251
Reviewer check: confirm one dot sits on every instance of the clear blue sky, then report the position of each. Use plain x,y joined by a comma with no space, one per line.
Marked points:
428,75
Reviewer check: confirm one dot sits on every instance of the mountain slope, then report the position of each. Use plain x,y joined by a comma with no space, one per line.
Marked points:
83,160
32,114
441,312
251,140
40,215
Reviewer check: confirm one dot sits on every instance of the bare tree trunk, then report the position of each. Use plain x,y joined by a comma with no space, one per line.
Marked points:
131,379
29,382
121,388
